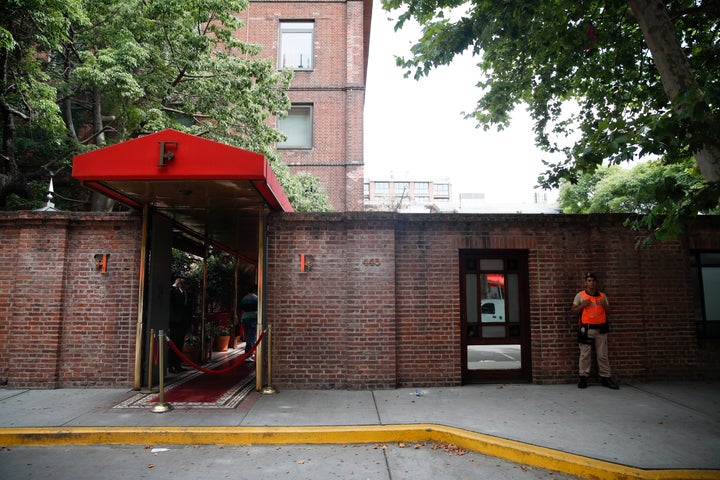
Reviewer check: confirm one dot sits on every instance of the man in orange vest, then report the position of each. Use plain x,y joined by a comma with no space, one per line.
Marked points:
592,307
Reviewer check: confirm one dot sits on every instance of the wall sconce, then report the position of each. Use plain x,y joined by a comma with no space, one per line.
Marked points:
306,262
101,261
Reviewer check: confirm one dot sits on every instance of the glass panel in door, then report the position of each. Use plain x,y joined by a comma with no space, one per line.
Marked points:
495,328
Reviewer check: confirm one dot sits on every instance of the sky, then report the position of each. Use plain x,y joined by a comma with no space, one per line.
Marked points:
415,129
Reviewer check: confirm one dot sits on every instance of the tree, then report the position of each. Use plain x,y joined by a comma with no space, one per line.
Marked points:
142,66
32,128
218,272
644,78
651,193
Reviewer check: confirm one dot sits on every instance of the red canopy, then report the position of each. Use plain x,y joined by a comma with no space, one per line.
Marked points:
210,188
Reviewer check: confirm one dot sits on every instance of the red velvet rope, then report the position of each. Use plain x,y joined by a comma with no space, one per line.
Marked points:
232,367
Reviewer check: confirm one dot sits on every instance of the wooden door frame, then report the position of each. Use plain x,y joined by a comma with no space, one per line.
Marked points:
524,373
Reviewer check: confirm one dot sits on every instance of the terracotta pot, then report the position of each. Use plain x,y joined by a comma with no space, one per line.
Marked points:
193,353
222,343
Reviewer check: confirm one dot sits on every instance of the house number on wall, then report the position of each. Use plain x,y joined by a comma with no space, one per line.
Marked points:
371,262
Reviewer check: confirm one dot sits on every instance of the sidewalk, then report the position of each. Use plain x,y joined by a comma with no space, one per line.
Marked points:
653,426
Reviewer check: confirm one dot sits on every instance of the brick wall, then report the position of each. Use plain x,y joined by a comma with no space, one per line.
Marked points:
385,289
64,323
335,88
380,307
337,324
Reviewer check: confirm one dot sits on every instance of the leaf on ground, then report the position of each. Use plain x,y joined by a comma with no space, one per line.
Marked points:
450,448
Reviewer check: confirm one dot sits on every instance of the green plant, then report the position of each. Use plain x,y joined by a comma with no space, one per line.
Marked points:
221,331
220,278
192,340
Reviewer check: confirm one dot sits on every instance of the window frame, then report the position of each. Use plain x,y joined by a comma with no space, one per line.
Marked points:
441,190
381,189
421,189
699,260
300,27
401,189
290,144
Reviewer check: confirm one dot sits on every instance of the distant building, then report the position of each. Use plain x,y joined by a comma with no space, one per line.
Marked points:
426,196
477,203
406,195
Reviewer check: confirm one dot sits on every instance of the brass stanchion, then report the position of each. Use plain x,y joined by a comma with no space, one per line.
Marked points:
268,389
161,406
151,355
137,380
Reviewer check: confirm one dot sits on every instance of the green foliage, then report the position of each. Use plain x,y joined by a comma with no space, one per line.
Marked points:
659,199
192,340
305,193
577,197
184,265
29,31
176,65
220,277
221,331
586,74
138,67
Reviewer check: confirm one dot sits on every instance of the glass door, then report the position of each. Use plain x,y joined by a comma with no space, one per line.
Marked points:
494,316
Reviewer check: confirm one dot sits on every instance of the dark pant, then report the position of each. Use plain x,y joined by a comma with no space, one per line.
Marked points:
250,328
177,335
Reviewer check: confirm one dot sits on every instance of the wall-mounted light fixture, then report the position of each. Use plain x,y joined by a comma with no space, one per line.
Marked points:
306,262
101,261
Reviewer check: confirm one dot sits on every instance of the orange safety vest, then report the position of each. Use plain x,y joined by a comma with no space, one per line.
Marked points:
594,314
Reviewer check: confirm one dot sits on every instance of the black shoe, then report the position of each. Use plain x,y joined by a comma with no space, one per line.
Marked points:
582,383
607,382
174,370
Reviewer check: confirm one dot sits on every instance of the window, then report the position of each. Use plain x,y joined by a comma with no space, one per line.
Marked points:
705,268
366,191
442,190
421,191
296,45
422,188
382,189
402,189
297,127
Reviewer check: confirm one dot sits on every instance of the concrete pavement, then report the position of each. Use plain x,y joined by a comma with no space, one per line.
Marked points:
650,430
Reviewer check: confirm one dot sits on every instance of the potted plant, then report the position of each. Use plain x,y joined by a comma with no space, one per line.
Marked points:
191,347
222,338
235,332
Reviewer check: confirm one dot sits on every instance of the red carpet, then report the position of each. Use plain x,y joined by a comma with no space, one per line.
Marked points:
206,388
195,389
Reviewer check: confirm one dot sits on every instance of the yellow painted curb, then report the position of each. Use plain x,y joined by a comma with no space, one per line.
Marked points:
518,452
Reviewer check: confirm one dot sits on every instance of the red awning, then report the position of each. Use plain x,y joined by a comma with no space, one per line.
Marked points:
214,190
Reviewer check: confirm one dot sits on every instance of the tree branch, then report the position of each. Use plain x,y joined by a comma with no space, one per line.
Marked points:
16,112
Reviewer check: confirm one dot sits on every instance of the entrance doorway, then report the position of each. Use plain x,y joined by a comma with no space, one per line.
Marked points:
217,194
494,316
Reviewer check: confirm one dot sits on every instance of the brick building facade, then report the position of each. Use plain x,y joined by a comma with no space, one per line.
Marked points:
63,321
330,88
380,308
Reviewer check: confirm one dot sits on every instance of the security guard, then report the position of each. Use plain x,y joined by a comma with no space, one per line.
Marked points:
592,307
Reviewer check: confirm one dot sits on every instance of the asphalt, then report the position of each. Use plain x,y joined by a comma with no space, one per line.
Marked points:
645,430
